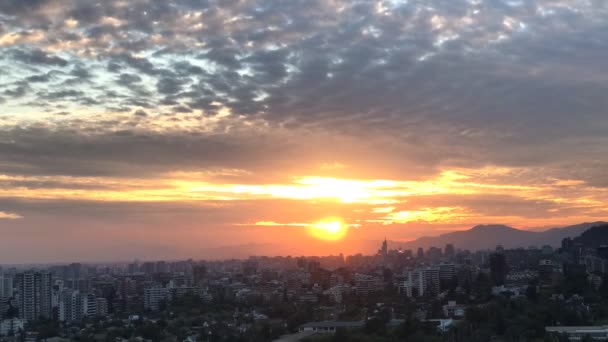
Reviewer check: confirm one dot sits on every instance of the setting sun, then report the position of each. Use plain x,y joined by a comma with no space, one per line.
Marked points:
331,229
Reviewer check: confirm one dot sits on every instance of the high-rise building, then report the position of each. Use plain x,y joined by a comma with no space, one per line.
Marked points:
71,305
422,281
434,253
102,307
384,250
498,268
35,289
449,251
432,280
6,292
154,296
414,283
447,271
420,253
90,305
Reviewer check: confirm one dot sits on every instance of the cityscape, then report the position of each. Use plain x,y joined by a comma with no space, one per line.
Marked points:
303,170
538,293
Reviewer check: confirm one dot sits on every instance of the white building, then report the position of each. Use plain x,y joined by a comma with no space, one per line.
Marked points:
154,296
453,310
6,286
11,326
34,289
414,284
422,281
71,305
578,333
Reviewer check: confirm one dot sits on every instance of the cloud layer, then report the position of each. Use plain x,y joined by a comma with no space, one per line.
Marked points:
120,101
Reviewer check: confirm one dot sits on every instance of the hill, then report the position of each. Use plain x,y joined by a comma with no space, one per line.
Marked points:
593,237
489,236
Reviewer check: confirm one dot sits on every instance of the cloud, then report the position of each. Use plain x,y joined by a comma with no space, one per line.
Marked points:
9,216
37,56
361,90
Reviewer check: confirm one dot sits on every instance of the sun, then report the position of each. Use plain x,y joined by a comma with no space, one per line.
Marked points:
330,229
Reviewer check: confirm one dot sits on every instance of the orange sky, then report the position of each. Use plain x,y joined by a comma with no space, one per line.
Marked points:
165,129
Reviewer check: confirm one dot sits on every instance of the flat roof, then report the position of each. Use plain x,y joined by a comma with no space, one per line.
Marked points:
598,328
337,324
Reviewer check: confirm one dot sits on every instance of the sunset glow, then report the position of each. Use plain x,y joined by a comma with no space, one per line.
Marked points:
185,127
331,229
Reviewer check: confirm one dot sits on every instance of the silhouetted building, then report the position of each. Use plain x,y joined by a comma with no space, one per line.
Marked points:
420,253
384,251
498,268
449,251
567,243
434,253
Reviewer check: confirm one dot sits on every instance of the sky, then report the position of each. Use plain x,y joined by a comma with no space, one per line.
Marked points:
170,129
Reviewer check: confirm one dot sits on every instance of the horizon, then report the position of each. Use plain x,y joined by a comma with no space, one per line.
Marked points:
369,250
179,128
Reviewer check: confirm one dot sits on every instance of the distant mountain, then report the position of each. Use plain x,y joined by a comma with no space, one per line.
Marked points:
489,236
593,237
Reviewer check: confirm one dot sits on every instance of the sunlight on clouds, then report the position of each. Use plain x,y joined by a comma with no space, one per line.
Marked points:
14,38
366,197
428,215
9,216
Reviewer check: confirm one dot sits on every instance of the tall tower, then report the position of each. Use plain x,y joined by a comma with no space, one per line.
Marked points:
34,295
384,251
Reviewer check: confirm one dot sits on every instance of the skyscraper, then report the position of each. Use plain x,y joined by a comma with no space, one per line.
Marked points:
449,251
498,268
6,286
34,295
384,251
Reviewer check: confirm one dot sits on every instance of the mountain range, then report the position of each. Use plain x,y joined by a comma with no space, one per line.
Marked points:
489,236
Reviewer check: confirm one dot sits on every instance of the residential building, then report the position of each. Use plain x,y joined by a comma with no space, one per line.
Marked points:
35,295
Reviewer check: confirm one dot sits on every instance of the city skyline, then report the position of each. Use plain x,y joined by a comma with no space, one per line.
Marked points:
174,129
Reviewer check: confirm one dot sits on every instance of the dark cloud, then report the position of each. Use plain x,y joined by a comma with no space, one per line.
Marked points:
140,113
37,56
62,94
21,7
168,86
39,78
16,92
128,79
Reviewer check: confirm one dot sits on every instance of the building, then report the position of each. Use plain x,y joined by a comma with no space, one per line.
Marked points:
549,272
35,289
414,284
330,326
449,251
578,333
384,251
431,280
447,272
366,284
11,326
453,310
102,307
71,305
420,253
434,253
90,305
6,286
154,297
498,268
422,281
